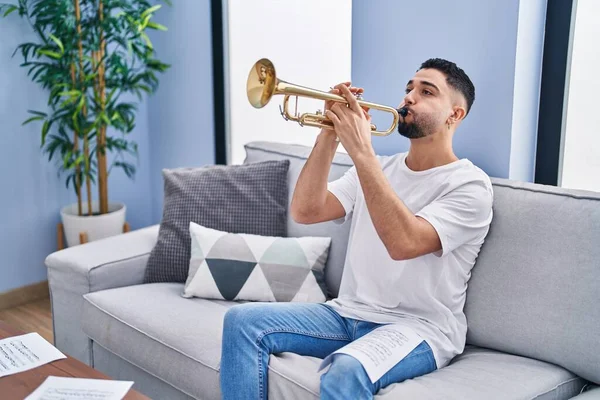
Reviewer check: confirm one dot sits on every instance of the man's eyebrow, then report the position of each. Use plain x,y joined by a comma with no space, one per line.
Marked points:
426,83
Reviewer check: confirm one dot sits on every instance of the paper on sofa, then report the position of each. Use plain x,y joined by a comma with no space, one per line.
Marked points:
380,350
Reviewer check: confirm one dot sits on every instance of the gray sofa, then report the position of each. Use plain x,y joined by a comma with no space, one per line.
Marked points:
533,306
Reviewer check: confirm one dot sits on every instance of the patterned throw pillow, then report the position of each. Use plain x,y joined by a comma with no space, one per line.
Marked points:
250,198
228,266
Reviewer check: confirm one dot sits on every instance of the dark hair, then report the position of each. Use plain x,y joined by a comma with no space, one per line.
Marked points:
455,77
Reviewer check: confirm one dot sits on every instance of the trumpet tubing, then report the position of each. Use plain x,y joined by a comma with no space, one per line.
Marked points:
263,84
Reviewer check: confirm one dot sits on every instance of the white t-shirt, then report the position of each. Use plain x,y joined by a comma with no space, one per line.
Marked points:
426,293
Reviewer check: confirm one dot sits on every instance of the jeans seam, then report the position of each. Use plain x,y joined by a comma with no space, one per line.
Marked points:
286,330
302,332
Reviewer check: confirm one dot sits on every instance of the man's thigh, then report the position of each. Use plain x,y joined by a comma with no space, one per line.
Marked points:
418,362
310,329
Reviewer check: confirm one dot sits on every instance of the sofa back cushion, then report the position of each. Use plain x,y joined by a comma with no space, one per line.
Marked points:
298,154
535,289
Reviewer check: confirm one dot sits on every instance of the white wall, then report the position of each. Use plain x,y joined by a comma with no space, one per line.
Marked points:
309,43
581,147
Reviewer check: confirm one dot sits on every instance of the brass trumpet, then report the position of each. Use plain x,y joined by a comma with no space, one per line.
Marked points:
263,84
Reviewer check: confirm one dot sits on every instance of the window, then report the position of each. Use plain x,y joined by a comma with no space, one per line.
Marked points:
579,166
568,149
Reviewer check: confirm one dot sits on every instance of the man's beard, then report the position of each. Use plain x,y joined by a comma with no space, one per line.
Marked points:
421,126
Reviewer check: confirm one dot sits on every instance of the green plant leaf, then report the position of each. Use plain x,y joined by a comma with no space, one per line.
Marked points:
70,93
150,10
67,158
49,53
10,9
146,39
28,120
58,43
158,27
145,22
45,129
41,114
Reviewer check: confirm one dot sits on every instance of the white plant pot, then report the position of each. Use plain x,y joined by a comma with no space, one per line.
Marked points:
95,226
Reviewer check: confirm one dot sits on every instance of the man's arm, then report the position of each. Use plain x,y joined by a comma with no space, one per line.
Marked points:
404,235
312,202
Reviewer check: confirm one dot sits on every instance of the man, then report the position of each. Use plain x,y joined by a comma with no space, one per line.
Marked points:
419,220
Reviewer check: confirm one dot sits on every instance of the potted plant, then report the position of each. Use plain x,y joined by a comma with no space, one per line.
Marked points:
88,55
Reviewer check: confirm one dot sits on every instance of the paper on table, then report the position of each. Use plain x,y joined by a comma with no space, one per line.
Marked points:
380,350
24,352
60,388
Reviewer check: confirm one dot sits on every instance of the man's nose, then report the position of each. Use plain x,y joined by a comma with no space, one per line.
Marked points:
408,99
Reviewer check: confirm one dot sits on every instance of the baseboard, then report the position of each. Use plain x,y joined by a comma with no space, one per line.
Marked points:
25,294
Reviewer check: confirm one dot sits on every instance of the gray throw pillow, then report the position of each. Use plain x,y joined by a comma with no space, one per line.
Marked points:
250,198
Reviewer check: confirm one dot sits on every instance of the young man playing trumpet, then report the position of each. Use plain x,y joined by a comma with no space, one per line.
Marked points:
418,222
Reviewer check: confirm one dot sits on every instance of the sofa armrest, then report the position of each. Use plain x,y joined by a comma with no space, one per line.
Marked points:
103,264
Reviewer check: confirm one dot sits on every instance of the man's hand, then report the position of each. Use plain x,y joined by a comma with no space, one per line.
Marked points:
336,90
352,123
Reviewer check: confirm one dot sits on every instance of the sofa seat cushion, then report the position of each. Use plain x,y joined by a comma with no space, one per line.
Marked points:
179,341
153,327
474,375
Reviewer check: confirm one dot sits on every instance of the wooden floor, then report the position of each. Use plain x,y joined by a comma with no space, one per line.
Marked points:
31,317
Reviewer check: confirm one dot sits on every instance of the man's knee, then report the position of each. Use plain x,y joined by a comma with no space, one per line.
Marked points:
243,318
238,316
345,371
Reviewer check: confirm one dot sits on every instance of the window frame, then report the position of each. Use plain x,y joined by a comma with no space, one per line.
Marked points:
553,93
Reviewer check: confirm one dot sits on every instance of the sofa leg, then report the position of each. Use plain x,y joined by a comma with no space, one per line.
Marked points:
126,227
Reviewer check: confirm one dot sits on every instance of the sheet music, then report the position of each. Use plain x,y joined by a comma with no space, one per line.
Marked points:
380,350
21,353
60,388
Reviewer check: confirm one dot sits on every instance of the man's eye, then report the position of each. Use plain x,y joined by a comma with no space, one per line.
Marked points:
427,92
407,91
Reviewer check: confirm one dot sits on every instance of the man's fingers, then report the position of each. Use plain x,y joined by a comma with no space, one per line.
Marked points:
334,118
352,102
337,109
347,84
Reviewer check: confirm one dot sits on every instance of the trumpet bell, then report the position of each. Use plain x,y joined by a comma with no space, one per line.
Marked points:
261,83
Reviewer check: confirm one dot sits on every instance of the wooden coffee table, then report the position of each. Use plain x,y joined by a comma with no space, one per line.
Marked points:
22,384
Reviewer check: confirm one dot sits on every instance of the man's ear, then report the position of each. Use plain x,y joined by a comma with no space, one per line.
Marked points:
458,114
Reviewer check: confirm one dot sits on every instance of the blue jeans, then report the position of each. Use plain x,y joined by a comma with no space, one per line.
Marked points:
253,331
